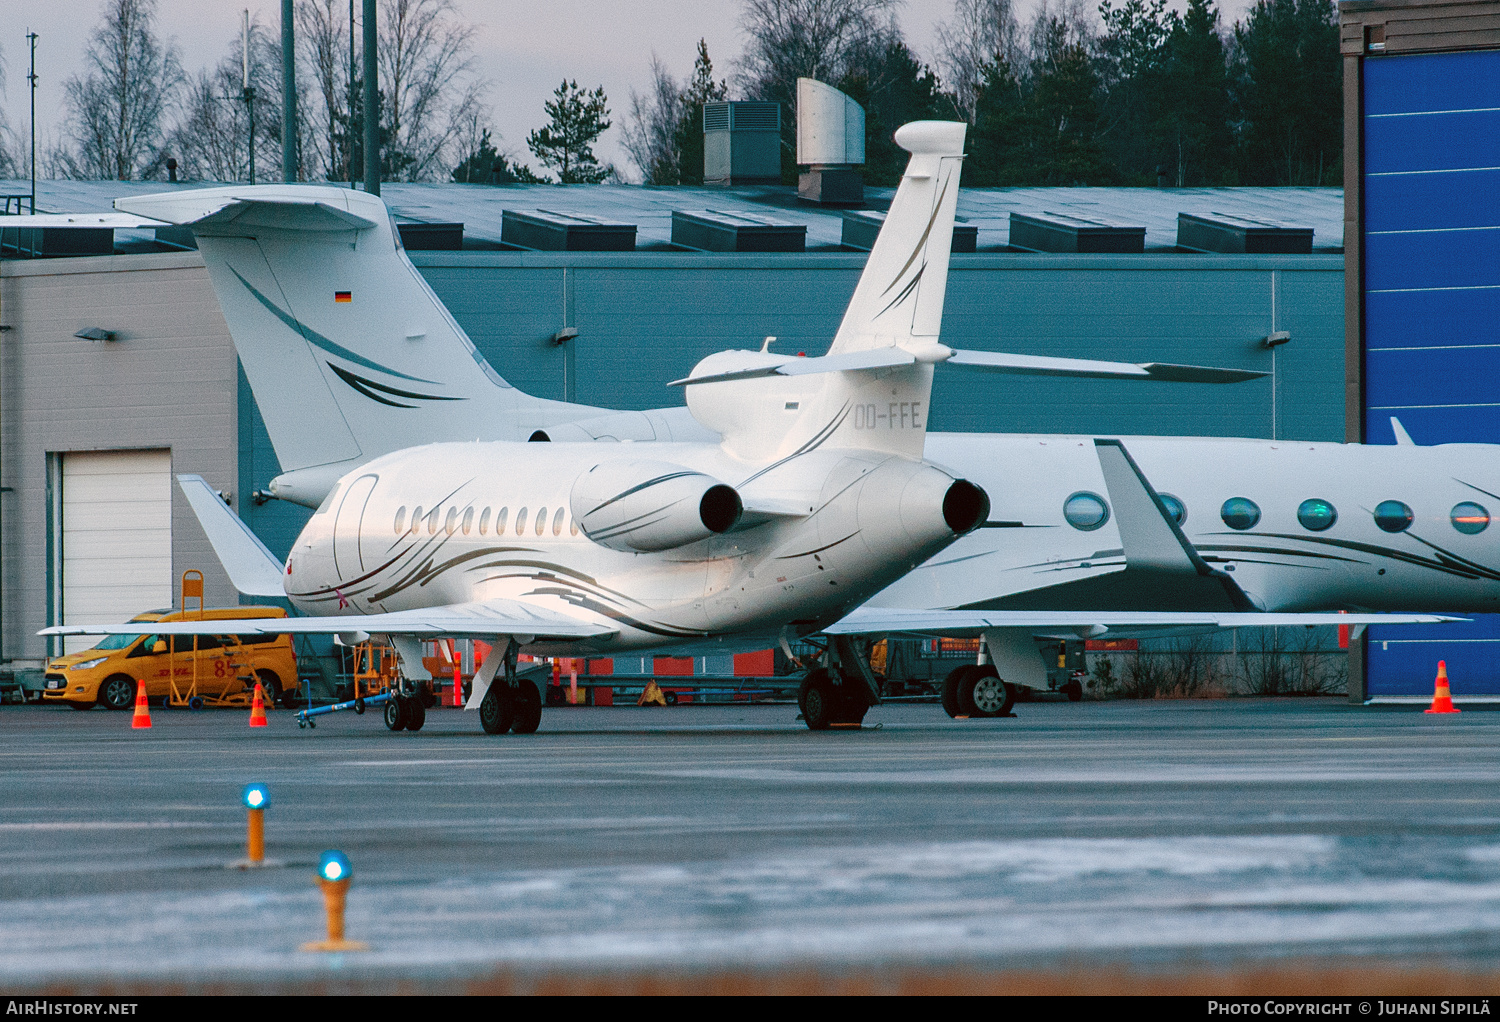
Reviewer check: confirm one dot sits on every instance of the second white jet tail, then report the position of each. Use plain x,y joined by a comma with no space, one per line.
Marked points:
348,351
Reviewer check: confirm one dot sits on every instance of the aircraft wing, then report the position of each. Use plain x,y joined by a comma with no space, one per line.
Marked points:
486,619
1092,624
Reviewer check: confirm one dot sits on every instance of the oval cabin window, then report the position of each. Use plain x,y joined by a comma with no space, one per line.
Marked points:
521,522
557,520
541,521
484,521
400,519
468,520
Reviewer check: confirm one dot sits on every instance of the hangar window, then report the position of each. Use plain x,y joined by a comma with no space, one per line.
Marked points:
1393,516
1086,511
1316,514
1469,518
400,519
1175,508
484,521
468,520
416,518
500,517
541,521
1240,513
451,522
521,522
557,522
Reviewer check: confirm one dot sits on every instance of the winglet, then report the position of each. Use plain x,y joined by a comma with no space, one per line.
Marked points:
1403,438
252,568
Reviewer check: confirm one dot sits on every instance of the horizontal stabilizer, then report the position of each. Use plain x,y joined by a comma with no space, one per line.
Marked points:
988,361
955,623
123,221
252,568
217,211
1087,368
488,619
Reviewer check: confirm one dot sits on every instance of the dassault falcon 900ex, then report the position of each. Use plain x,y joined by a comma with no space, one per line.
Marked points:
789,515
347,386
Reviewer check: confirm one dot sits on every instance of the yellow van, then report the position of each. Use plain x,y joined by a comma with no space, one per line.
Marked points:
107,674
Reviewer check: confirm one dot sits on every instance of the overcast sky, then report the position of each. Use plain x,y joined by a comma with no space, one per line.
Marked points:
522,47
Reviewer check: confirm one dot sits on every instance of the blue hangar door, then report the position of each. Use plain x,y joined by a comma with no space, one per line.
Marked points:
1432,311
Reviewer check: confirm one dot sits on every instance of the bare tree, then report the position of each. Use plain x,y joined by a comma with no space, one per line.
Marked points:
117,110
212,140
791,39
651,135
10,165
324,54
982,33
425,57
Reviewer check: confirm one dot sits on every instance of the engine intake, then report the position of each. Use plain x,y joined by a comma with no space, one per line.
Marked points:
651,505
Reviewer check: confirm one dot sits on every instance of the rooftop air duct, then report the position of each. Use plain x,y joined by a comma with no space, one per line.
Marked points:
830,144
742,143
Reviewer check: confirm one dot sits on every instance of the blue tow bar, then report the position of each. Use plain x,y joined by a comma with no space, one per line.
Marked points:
305,717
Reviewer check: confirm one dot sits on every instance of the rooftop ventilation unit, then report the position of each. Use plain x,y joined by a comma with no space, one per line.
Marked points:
1060,232
862,227
742,143
548,231
1239,235
830,144
709,230
431,237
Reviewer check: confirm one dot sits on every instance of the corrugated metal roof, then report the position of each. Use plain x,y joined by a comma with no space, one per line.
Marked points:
480,208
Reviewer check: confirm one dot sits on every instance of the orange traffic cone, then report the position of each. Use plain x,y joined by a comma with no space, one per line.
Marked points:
1442,700
142,717
258,708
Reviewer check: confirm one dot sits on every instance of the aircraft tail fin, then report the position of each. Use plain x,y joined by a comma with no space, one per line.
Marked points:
252,568
899,298
349,352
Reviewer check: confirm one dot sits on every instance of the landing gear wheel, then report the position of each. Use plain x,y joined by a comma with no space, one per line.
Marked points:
852,702
416,713
427,697
818,700
981,693
395,714
117,693
528,708
497,710
951,684
1073,690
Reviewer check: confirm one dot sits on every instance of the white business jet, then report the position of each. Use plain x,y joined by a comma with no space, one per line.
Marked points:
342,341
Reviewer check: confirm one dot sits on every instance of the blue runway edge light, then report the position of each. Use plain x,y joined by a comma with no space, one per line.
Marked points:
333,866
256,796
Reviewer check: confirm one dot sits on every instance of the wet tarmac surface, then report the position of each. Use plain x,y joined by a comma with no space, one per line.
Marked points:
1117,834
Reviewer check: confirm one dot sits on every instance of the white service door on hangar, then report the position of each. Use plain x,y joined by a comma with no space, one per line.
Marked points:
116,536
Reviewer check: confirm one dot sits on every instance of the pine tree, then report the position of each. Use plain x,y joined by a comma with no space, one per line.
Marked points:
1194,123
894,88
1288,90
485,166
579,117
689,138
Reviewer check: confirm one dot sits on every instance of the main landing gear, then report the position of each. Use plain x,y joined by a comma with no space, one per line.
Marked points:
839,694
975,690
511,704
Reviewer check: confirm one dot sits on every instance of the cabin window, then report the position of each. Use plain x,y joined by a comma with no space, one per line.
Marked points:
521,522
1470,518
432,517
557,521
1393,516
416,518
573,527
1316,514
450,524
484,521
1086,511
541,521
500,517
468,520
1176,508
400,519
1240,513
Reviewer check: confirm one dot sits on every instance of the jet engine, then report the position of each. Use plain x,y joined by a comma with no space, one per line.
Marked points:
651,505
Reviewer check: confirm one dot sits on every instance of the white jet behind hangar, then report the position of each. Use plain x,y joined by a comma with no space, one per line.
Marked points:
338,379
